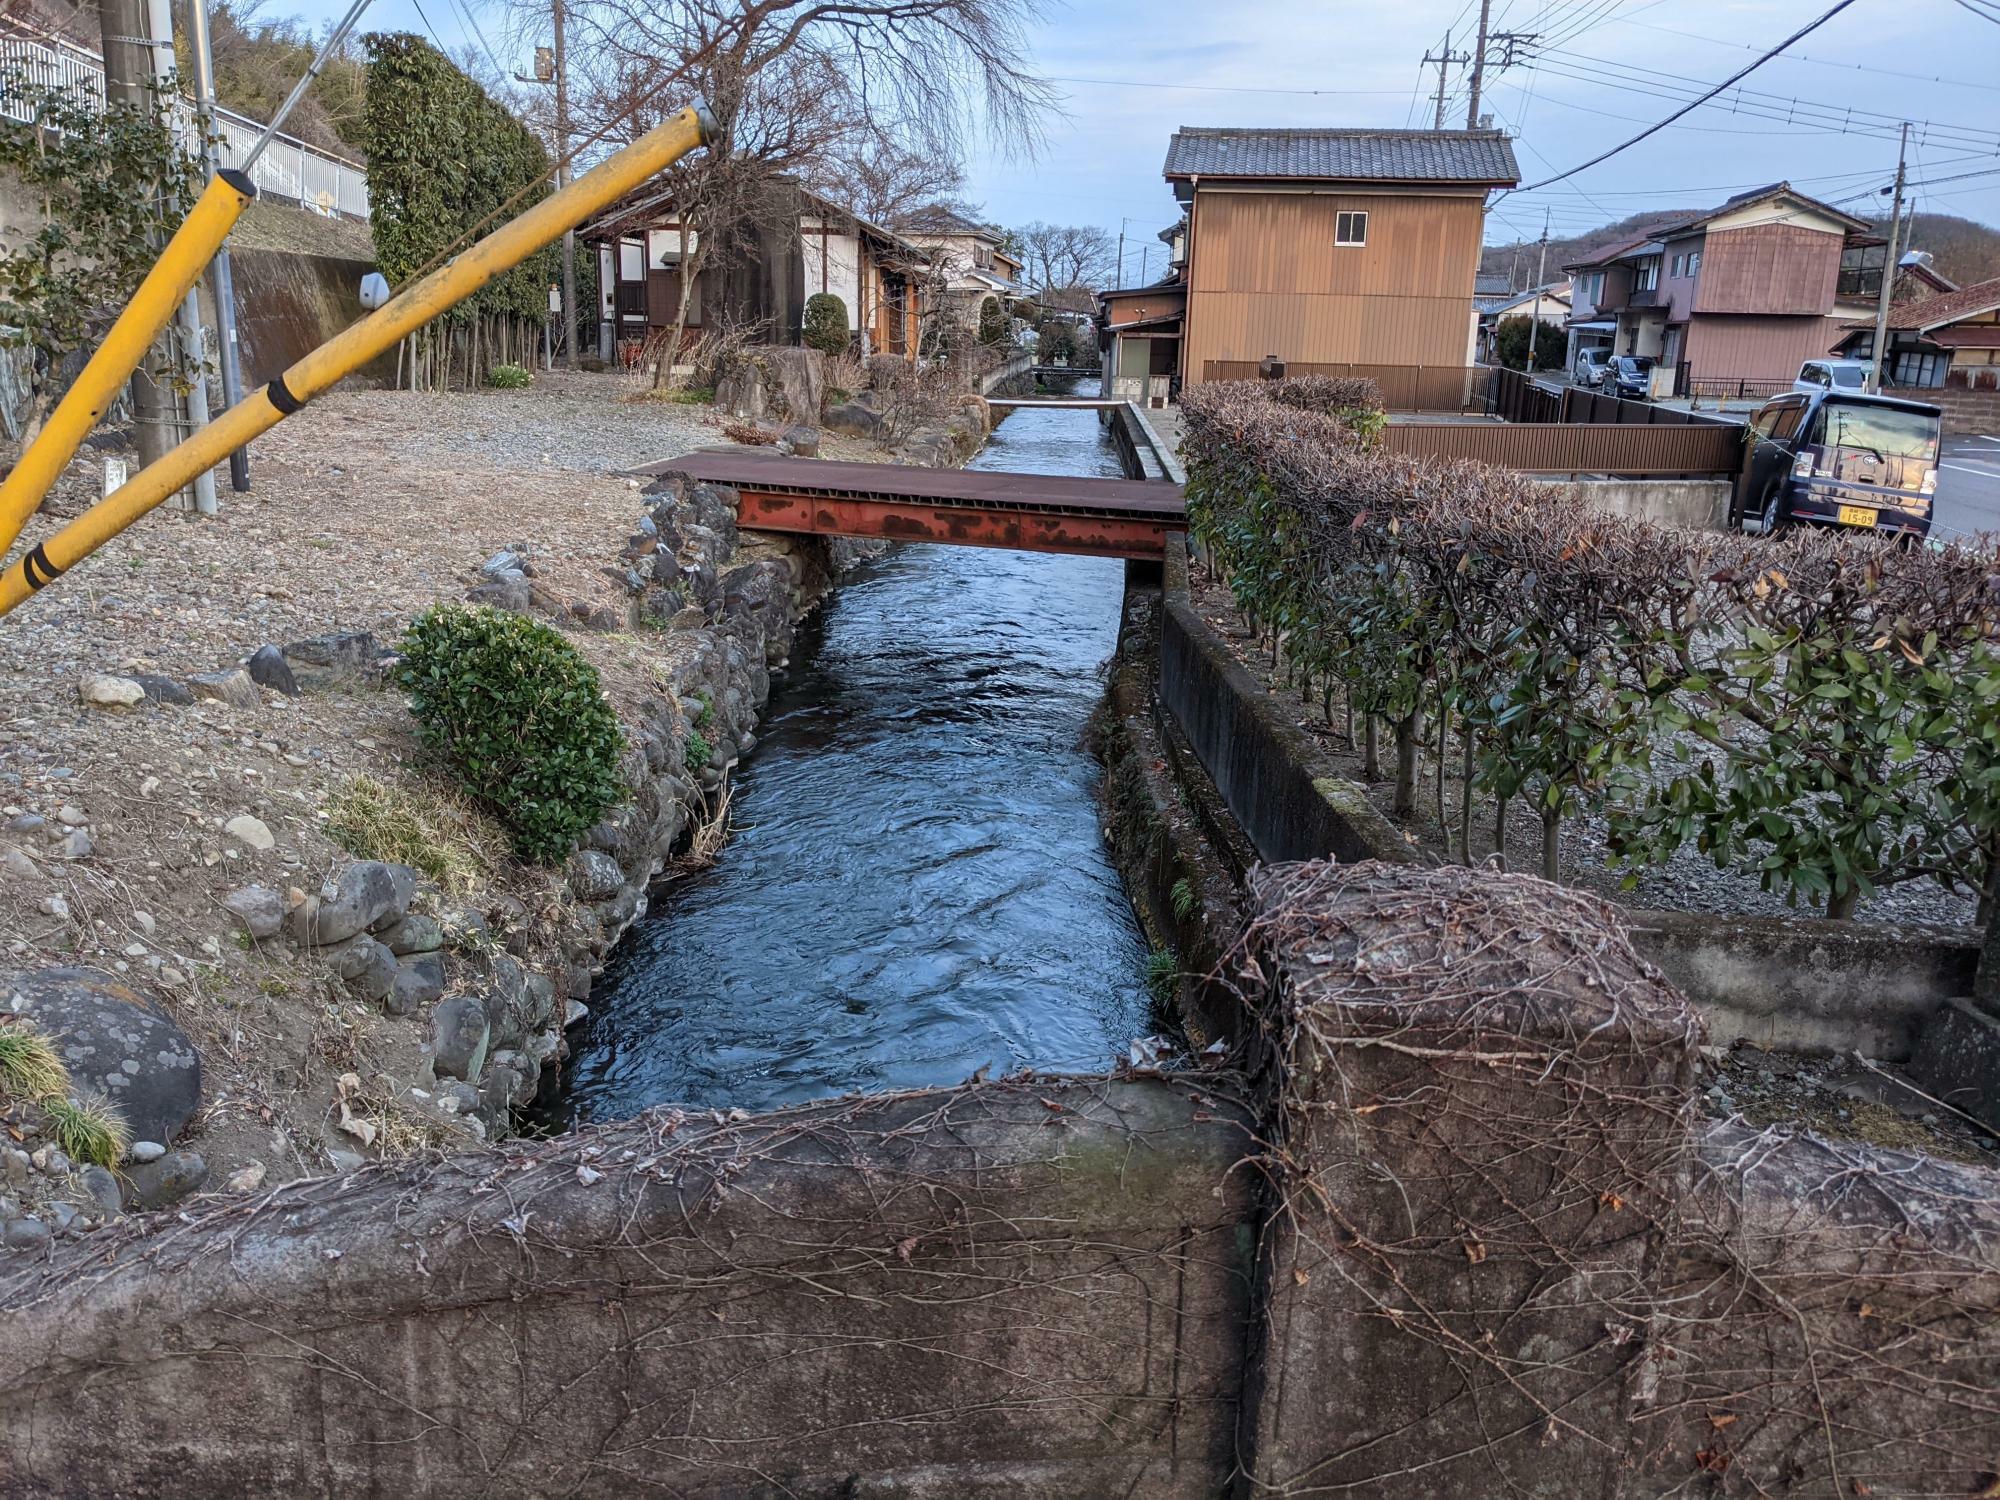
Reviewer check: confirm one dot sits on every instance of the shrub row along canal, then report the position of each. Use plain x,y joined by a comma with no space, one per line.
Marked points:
916,888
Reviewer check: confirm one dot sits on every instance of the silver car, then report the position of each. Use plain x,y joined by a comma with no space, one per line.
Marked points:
1591,365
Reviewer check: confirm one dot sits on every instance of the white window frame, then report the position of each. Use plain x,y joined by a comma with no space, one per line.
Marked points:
1348,218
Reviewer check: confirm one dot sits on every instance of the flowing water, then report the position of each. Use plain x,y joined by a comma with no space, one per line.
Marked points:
916,888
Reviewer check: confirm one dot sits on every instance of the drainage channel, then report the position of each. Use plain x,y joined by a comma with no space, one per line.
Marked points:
917,888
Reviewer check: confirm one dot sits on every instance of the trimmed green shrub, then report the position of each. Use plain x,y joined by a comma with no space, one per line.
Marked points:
509,378
992,322
825,323
519,717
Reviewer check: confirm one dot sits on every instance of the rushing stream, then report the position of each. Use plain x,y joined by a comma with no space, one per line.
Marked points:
916,888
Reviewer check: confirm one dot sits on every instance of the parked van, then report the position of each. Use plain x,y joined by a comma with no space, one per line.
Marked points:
1832,375
1590,366
1837,458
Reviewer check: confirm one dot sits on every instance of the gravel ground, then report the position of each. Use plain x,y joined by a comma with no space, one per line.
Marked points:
1689,881
366,507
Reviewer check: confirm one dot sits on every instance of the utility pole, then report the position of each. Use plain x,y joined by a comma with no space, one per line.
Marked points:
1535,308
221,279
562,181
1478,66
1882,298
1444,60
129,70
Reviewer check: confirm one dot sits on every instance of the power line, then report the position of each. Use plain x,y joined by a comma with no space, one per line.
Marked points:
1218,88
1818,62
1737,77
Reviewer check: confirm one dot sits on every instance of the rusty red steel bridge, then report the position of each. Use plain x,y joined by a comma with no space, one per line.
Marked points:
968,507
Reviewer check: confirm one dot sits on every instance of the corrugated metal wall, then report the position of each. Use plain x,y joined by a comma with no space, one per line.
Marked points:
1267,278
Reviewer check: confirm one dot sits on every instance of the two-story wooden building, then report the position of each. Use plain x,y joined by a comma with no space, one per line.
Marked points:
1335,251
1740,297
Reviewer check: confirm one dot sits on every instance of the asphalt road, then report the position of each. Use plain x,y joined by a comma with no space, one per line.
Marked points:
1968,493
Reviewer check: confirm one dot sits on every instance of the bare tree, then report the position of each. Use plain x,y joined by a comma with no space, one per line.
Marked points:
1064,263
879,177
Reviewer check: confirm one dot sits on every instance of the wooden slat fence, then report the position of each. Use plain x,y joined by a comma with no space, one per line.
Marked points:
1688,449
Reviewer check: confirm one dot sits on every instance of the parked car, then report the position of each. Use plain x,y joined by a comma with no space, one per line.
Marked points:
1832,375
1590,365
1631,376
1839,458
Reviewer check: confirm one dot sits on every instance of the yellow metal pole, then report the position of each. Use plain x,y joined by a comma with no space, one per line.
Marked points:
158,298
406,312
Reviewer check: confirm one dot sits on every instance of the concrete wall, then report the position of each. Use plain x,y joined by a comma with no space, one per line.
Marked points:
1022,1289
287,305
1702,504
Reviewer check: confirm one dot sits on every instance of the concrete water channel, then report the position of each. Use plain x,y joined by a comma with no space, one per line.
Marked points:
917,888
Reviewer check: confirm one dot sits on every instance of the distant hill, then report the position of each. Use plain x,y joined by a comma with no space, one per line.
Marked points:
1963,250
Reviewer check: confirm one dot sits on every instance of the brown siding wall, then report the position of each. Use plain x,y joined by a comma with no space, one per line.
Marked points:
1761,348
1131,309
1769,268
1267,278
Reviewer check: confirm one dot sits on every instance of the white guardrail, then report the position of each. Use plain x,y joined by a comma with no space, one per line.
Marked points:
289,170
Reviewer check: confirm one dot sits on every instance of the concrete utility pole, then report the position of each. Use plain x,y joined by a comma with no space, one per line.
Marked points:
1444,60
1535,308
562,181
1478,66
221,280
1882,299
129,68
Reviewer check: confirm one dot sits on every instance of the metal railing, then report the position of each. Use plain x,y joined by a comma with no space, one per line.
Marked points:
289,170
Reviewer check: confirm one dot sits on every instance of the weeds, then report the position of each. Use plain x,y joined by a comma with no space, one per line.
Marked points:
699,751
29,1066
89,1130
1163,975
428,827
709,834
1184,900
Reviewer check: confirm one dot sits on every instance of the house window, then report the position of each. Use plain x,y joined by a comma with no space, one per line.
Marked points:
631,260
1350,229
1646,275
1680,263
1910,367
1694,262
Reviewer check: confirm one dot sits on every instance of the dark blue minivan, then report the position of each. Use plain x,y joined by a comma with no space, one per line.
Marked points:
1839,458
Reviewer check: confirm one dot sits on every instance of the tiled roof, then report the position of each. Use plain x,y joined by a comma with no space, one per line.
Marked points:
1611,252
1469,156
1935,312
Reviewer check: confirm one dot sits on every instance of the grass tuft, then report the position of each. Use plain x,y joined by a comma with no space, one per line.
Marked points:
90,1130
1185,902
1163,975
29,1065
429,827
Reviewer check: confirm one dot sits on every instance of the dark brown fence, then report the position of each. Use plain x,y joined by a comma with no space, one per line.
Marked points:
1515,397
1440,388
1678,448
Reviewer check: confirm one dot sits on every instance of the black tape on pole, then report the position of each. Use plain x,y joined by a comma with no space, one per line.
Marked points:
282,397
37,563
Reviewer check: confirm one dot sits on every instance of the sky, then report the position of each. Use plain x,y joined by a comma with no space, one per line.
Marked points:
1824,115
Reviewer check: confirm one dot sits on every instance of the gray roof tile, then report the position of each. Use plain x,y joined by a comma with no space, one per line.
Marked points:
1469,156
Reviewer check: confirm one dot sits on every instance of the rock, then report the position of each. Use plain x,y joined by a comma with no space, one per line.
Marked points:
15,1167
104,1193
460,1033
368,893
28,1236
260,910
344,651
235,687
467,931
17,864
145,922
852,419
515,594
51,1160
251,832
504,564
76,844
458,1098
413,934
574,1011
113,1043
101,690
145,1151
163,690
268,668
503,1083
246,1179
368,969
594,875
510,924
162,1183
25,822
64,1217
418,981
802,440
53,906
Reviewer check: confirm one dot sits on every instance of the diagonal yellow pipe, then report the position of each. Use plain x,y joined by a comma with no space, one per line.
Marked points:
152,307
344,353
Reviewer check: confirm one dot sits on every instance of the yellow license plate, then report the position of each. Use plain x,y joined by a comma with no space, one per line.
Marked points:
1856,515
